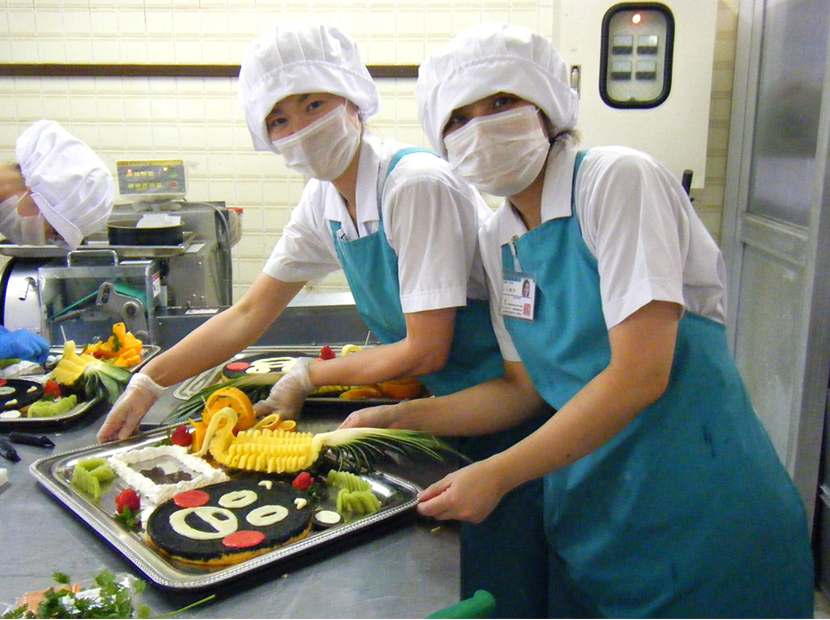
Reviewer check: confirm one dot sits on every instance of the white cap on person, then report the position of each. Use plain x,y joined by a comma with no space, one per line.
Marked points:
488,59
69,183
304,56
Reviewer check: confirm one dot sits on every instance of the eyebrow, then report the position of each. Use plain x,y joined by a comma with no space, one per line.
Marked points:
277,110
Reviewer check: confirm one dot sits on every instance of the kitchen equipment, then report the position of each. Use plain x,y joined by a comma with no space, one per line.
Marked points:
81,299
39,294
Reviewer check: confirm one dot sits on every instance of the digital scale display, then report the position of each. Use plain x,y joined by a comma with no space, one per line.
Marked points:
151,178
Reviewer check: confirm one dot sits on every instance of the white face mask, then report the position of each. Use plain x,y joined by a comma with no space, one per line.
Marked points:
324,149
20,229
500,154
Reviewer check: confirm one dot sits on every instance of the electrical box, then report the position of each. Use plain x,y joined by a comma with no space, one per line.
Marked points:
644,75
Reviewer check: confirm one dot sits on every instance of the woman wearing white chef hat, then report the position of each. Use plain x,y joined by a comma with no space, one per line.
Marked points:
404,230
59,191
663,494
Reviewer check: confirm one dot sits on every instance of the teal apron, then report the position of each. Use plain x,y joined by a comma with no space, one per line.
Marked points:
371,268
688,511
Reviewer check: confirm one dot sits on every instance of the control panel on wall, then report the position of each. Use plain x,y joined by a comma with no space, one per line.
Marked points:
636,60
643,71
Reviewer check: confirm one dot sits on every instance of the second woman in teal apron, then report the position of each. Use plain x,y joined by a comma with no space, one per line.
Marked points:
663,495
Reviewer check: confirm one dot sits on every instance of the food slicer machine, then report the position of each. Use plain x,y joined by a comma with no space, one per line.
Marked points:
132,272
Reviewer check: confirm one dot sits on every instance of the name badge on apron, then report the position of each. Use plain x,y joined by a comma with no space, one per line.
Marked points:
518,300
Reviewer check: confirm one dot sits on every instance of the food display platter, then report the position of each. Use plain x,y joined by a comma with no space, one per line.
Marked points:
77,412
56,421
214,376
398,496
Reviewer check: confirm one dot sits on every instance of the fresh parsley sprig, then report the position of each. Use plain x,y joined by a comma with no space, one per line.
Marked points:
111,599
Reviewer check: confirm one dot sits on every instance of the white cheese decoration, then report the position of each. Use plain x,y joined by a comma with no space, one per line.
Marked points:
200,471
267,515
271,364
220,522
237,499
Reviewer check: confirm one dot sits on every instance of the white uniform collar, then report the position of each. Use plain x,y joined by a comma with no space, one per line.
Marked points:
368,168
556,193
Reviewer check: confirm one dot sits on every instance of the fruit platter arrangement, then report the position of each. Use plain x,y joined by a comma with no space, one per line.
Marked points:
257,369
72,381
201,502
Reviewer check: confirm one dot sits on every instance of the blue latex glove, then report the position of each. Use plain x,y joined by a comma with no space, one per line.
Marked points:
22,344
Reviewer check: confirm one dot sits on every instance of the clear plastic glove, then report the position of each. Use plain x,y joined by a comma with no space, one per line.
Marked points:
23,344
289,393
122,421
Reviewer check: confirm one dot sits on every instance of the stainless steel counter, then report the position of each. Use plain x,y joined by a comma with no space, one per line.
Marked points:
409,569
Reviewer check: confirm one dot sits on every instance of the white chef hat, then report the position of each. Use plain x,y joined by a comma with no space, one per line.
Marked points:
305,56
70,184
488,59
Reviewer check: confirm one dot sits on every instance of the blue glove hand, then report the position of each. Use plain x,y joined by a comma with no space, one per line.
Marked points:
23,344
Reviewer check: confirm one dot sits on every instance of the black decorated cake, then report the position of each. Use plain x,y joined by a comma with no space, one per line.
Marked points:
230,522
256,364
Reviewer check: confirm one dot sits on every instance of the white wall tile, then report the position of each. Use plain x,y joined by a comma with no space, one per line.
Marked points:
200,120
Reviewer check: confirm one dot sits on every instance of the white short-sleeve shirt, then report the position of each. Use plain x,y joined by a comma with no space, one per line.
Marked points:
637,221
430,217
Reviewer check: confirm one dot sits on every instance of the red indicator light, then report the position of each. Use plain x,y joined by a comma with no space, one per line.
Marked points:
636,18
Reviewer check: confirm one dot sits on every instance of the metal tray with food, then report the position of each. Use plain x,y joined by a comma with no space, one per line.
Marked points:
396,496
19,393
260,361
148,352
24,421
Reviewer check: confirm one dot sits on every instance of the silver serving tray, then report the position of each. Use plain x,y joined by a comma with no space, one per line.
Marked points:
191,386
54,472
21,424
81,409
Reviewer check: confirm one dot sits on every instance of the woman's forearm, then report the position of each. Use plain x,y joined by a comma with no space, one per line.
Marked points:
225,334
489,407
424,350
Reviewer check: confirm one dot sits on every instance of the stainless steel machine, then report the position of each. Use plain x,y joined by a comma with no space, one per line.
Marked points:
135,279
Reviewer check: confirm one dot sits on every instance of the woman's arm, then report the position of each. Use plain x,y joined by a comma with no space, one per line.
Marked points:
225,334
642,351
424,349
489,407
210,344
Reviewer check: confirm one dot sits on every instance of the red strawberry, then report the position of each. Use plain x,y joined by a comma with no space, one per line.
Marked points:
327,353
51,388
303,481
127,499
181,437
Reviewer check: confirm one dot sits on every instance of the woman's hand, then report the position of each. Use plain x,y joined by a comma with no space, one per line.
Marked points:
469,494
123,419
289,393
382,416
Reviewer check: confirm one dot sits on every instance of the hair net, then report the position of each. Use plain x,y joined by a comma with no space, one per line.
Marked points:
301,57
488,59
69,183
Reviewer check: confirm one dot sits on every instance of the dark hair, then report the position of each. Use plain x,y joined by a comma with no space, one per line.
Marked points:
554,135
